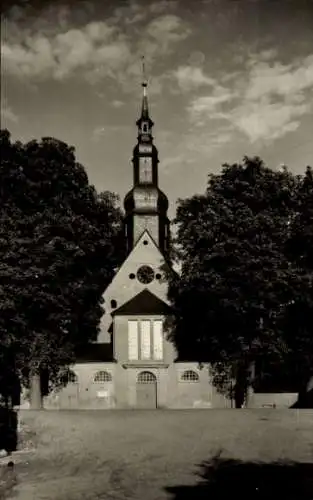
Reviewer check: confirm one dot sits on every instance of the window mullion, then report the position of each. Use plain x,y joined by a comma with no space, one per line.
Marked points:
139,338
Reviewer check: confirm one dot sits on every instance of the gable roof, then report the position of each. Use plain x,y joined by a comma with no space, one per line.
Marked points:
144,302
95,352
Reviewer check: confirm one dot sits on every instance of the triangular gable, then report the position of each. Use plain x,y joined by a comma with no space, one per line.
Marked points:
146,233
145,236
144,302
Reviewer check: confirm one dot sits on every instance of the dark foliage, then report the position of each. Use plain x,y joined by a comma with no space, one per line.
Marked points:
59,244
242,271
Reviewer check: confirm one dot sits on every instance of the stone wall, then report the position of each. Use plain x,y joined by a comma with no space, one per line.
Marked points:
172,391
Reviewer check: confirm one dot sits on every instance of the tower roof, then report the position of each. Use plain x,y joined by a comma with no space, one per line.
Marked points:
144,302
144,106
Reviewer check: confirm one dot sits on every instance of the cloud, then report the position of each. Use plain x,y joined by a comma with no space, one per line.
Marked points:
135,12
268,121
284,80
117,104
166,29
129,14
47,19
210,104
264,103
94,51
206,142
96,46
156,42
7,114
191,77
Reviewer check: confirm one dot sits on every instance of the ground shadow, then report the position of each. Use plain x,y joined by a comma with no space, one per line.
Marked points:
222,479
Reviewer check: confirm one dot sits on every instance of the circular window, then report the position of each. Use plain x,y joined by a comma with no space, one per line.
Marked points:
132,276
145,274
158,276
145,242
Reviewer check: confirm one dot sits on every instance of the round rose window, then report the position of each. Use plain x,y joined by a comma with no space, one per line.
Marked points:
145,274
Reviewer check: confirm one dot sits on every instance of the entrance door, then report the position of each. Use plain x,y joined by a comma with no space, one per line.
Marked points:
69,395
146,390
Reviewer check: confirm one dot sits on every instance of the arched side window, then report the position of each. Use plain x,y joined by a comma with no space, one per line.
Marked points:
190,376
69,377
102,376
72,377
146,378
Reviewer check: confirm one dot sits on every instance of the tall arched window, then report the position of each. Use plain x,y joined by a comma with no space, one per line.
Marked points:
102,376
190,376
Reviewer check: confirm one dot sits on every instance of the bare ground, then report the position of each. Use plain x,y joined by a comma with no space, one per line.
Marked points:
158,455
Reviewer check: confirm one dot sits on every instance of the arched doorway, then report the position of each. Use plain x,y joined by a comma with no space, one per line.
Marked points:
102,390
69,395
146,390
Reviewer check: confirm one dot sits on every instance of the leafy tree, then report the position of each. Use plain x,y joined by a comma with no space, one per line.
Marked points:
298,320
59,244
236,280
302,228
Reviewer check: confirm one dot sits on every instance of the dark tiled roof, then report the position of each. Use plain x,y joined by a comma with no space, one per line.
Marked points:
96,352
144,302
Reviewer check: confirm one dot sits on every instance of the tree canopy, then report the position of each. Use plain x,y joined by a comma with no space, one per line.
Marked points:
60,242
237,279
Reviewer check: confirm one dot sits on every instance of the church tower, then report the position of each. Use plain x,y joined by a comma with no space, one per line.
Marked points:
145,204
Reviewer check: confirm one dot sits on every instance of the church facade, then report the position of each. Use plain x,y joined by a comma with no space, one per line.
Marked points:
132,364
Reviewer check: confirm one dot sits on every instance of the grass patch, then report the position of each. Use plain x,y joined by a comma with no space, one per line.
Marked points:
155,455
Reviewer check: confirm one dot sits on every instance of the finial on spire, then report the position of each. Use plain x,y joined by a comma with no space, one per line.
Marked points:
144,109
144,77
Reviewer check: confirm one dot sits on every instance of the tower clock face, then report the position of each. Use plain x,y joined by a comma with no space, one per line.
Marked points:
145,170
145,275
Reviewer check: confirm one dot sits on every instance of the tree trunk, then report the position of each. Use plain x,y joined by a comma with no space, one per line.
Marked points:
241,387
35,392
239,395
305,393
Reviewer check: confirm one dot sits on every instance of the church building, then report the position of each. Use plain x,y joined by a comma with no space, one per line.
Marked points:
132,364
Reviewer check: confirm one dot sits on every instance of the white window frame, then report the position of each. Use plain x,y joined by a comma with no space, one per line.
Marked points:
133,355
189,381
107,372
138,344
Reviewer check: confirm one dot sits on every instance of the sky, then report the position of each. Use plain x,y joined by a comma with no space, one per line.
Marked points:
227,78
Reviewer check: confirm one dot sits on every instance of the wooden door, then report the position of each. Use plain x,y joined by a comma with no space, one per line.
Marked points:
68,397
146,391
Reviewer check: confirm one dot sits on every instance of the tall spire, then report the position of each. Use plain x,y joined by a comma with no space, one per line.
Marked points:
145,204
144,109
